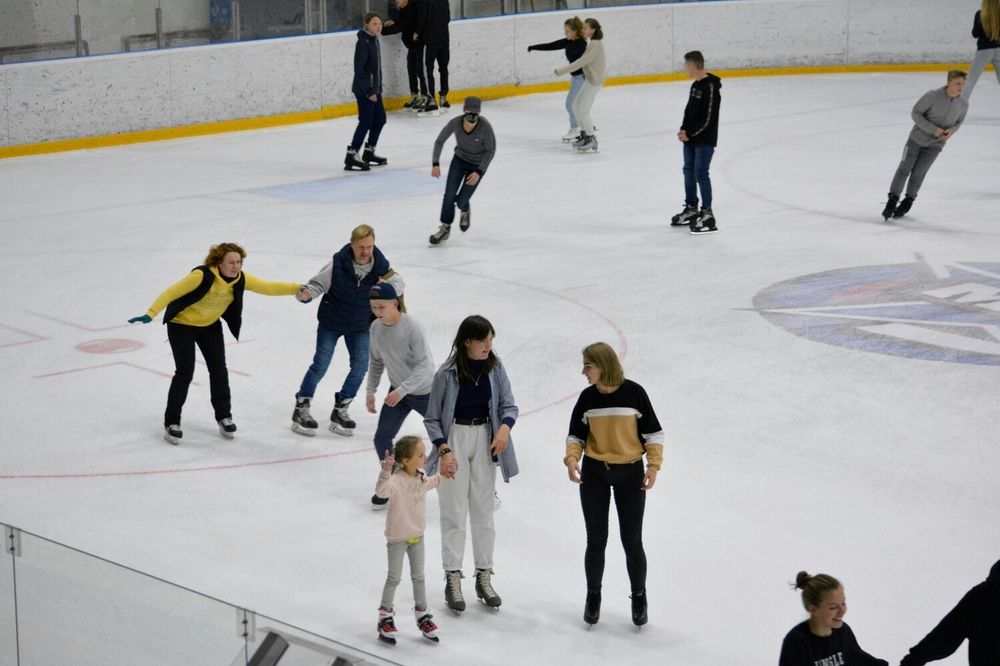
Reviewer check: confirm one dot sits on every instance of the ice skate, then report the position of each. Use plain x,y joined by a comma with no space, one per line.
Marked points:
302,421
371,158
890,206
589,144
386,625
592,609
464,219
340,420
227,428
429,110
379,503
571,134
173,434
704,223
484,588
352,161
580,139
904,207
441,234
414,100
444,102
639,604
686,216
426,624
453,591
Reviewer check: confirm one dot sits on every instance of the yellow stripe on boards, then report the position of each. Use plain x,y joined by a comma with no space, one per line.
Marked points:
396,104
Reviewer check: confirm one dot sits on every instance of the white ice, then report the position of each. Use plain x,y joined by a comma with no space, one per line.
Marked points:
783,453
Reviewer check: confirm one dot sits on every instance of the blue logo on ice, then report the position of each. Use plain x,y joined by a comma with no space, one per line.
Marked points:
942,312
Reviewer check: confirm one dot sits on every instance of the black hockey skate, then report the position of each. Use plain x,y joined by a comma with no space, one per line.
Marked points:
172,434
371,158
352,161
340,421
453,591
686,216
904,207
440,235
484,589
592,610
890,206
465,219
589,143
704,223
302,421
639,604
227,428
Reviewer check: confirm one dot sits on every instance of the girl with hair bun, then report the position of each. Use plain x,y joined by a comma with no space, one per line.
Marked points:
824,639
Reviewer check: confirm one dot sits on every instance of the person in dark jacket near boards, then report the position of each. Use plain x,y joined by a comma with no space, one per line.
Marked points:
192,309
367,89
976,618
345,284
699,133
406,27
433,17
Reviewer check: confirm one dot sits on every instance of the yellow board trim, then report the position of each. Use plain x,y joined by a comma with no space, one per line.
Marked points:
396,104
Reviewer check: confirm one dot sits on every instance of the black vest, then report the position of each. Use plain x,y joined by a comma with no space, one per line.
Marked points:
233,314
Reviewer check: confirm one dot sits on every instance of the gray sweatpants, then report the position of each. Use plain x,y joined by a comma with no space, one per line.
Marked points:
915,164
979,62
415,553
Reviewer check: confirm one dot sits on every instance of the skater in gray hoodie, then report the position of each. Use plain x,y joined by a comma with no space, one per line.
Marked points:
938,115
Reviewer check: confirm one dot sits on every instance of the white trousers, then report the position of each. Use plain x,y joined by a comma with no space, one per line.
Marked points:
583,103
468,497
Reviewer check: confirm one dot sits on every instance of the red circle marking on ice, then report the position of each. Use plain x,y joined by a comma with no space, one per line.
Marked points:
109,346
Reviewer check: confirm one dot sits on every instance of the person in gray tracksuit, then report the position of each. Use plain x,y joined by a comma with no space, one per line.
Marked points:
475,145
938,115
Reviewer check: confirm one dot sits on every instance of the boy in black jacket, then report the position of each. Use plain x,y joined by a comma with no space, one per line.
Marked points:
367,89
976,617
406,26
699,133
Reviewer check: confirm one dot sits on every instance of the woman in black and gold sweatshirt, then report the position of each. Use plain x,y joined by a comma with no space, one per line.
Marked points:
193,309
613,425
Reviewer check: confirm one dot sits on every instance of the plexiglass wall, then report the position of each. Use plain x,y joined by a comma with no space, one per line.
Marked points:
59,605
47,29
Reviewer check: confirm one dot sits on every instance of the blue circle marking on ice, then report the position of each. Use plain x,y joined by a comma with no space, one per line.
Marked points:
943,312
357,188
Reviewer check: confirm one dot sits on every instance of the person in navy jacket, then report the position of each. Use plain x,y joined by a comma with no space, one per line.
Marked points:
367,88
345,312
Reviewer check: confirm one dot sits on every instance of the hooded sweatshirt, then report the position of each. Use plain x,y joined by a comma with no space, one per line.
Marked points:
701,115
936,110
976,618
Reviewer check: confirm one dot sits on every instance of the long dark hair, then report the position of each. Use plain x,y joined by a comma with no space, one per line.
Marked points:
473,327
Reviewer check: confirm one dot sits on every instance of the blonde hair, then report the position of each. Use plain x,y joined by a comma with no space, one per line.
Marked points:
604,357
404,449
362,231
218,252
989,16
956,74
814,587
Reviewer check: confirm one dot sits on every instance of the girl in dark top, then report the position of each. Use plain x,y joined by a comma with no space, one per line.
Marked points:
575,45
824,639
612,426
986,30
469,417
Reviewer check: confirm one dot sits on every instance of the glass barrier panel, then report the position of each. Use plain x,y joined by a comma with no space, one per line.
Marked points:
8,635
350,14
118,27
39,31
73,608
187,24
303,648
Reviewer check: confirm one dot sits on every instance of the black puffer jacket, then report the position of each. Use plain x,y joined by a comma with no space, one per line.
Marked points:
367,65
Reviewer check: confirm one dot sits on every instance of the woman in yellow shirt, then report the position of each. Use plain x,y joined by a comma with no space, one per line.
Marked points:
193,309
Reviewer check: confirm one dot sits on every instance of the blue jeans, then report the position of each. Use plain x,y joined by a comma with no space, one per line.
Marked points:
575,83
697,159
457,191
371,120
326,340
390,420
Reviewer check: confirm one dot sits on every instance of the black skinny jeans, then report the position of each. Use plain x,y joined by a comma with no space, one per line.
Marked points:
440,54
598,480
183,339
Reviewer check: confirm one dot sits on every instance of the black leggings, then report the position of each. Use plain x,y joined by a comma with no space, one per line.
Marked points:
183,339
598,480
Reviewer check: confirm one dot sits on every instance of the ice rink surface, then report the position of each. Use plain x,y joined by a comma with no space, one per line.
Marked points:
828,382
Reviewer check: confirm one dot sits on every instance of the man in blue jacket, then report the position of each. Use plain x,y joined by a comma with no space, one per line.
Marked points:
344,312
